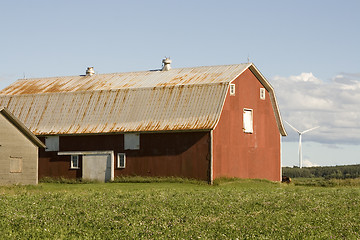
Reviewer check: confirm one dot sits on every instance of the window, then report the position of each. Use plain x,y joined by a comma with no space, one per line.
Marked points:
74,162
248,121
121,160
262,93
131,141
52,143
232,89
15,164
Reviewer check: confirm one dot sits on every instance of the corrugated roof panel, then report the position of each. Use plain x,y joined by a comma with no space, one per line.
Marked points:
173,77
123,110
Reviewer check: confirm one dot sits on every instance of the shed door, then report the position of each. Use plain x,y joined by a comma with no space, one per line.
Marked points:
97,167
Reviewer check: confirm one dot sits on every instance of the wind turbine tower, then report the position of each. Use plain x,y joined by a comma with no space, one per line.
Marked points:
300,136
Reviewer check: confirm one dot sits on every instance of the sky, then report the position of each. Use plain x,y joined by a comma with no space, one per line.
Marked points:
308,50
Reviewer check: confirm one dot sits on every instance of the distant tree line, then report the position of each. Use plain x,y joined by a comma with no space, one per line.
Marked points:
339,172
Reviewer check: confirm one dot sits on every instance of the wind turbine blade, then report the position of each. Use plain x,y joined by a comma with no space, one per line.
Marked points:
310,129
293,128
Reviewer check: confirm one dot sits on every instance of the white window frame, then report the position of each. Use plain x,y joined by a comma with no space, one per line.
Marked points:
232,89
118,164
74,159
262,93
248,127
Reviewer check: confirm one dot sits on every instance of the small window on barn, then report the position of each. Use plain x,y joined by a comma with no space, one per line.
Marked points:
232,89
52,143
262,93
248,121
121,160
15,164
74,162
131,141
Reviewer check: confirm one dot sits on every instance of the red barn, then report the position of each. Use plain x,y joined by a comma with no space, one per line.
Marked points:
201,122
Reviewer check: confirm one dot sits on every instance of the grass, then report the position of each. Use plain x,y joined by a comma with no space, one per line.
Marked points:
322,182
142,179
243,209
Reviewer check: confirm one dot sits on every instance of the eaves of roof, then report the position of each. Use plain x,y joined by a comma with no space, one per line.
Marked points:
21,127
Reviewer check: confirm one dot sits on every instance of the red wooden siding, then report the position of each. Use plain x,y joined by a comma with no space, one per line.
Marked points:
247,155
52,165
183,154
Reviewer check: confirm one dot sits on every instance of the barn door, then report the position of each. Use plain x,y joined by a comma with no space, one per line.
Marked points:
97,167
248,121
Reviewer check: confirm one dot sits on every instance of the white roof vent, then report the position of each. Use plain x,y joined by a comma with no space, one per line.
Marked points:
166,64
90,71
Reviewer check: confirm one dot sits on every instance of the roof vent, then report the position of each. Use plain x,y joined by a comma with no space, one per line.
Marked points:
90,71
166,64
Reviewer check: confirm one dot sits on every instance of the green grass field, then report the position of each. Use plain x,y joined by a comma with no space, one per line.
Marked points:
238,209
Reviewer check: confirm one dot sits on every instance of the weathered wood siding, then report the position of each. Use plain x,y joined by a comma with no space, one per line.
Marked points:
182,154
14,146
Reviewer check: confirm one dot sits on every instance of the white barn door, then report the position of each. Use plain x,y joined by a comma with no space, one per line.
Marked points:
248,125
97,167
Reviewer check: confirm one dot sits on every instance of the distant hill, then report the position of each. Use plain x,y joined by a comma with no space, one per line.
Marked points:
339,172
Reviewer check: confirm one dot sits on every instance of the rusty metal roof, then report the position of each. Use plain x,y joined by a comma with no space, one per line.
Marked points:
123,110
130,80
178,99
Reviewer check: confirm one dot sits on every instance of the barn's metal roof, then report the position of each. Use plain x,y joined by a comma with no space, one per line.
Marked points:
123,110
178,99
130,80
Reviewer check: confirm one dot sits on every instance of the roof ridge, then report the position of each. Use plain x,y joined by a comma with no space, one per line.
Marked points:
143,71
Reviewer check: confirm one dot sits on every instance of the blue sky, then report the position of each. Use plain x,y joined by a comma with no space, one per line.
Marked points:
308,50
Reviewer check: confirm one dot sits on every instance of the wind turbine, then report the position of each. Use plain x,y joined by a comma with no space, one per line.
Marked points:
300,136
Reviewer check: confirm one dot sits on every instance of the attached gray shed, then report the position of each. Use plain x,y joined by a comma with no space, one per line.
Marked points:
18,151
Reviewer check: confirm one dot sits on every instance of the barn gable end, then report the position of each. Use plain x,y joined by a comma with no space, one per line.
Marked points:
18,151
241,153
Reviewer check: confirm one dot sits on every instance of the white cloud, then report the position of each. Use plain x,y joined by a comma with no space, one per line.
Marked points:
306,101
305,77
307,163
